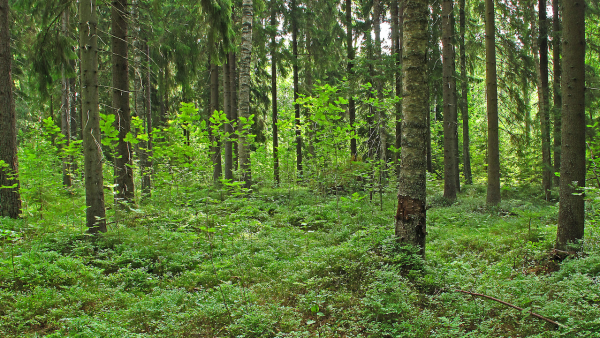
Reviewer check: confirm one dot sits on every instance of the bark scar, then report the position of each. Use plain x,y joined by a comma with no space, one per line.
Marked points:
408,208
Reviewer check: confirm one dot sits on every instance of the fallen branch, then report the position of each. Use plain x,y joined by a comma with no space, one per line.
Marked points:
509,305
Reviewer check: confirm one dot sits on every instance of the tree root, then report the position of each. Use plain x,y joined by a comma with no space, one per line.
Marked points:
509,305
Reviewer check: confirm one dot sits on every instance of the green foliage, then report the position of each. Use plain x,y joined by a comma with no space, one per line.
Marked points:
291,263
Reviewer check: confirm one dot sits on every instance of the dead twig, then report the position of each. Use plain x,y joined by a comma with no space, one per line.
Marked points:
509,305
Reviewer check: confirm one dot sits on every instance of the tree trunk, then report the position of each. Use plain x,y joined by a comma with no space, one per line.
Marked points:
544,102
381,118
234,106
244,109
557,92
10,198
94,192
65,111
147,153
276,176
449,92
296,88
215,148
464,102
351,103
410,216
397,29
228,129
120,103
372,139
493,188
572,167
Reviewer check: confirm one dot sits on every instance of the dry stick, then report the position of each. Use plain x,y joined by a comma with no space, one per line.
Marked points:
510,305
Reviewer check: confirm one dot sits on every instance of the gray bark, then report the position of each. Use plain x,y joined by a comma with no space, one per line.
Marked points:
410,227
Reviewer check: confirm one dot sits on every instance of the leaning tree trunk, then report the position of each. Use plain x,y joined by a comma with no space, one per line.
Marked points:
572,167
244,109
410,216
493,188
120,103
276,176
544,102
351,103
10,199
94,192
557,92
449,92
464,100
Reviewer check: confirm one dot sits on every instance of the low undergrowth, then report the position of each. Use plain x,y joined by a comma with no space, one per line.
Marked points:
291,263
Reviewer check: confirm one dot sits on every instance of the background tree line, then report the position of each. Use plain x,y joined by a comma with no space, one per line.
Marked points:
150,99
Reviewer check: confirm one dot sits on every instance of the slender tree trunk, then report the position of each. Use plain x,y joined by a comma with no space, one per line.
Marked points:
464,102
449,90
296,88
120,102
557,91
245,60
572,167
410,225
94,192
215,148
147,153
544,92
372,139
493,188
167,89
10,198
351,103
397,29
65,111
234,107
429,156
276,176
381,118
228,129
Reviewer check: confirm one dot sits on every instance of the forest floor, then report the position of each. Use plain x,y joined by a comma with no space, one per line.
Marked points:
295,263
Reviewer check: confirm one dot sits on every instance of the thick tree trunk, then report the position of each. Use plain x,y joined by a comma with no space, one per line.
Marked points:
65,109
120,102
572,168
557,91
10,198
410,216
215,147
276,176
228,129
244,109
351,103
493,188
464,102
544,101
449,92
296,88
94,192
